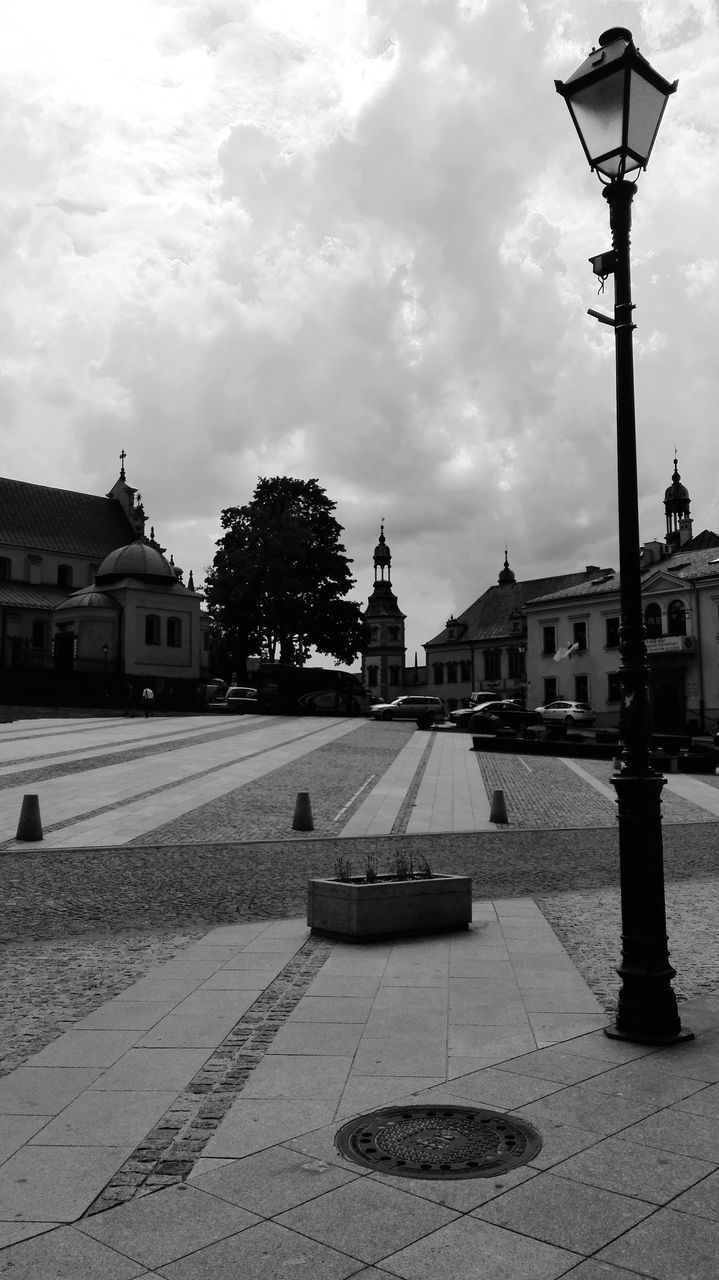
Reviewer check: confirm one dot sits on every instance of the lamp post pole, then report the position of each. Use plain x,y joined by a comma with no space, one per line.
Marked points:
616,100
647,1007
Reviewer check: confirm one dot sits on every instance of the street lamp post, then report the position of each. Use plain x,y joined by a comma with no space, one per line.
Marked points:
616,101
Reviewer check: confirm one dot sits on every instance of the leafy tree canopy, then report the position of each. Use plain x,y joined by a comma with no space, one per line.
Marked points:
278,582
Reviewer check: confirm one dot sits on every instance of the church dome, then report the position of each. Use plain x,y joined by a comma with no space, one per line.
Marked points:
381,551
506,576
676,492
88,598
137,560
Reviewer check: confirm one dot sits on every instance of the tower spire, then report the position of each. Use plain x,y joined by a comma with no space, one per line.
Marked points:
677,507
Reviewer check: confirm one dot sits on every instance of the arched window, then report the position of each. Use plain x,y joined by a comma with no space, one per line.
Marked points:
174,633
152,629
653,621
677,618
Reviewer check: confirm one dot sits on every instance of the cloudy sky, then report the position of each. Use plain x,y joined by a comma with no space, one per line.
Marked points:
348,239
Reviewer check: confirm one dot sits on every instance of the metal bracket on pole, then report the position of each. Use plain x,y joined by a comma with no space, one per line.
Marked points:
599,315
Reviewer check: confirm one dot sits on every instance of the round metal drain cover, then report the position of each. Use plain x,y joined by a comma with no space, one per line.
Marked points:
438,1142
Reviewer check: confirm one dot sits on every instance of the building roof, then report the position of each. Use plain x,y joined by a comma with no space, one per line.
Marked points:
490,617
61,520
24,595
684,563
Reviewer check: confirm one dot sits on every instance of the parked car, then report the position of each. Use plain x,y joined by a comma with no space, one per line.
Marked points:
239,699
408,707
567,713
504,714
463,715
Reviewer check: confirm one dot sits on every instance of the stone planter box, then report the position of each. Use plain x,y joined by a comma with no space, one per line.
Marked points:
354,911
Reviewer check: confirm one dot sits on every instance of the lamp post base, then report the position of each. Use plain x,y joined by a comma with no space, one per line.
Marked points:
633,1037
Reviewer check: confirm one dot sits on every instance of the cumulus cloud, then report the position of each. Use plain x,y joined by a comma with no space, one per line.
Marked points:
349,241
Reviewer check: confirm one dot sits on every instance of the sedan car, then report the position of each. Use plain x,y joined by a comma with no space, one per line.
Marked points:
462,717
567,713
239,699
408,707
504,714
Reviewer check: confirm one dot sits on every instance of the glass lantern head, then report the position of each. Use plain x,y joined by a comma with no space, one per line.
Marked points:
616,100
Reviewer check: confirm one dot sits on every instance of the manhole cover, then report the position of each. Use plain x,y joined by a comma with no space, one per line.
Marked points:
438,1142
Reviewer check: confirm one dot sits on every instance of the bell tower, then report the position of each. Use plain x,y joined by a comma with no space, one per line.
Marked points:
383,658
676,506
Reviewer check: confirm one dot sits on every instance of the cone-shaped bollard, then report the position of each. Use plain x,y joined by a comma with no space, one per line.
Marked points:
302,820
498,812
29,827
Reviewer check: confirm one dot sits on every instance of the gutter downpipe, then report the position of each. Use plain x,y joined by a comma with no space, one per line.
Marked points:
700,652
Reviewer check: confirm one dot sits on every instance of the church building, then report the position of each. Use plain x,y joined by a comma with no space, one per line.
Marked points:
88,603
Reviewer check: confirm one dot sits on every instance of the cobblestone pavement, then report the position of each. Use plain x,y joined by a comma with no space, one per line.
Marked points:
78,926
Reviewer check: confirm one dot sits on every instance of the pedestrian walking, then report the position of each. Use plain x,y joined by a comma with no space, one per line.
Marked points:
148,699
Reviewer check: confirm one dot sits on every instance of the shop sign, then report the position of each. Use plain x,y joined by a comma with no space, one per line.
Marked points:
670,644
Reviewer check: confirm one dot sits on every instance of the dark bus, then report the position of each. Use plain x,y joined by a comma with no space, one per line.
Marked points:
309,691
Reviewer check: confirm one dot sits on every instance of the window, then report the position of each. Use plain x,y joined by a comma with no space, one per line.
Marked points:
438,670
5,569
465,671
174,633
394,633
372,673
34,569
612,633
614,687
374,633
580,637
581,688
493,664
653,621
515,659
152,629
549,640
550,688
64,575
677,618
39,629
451,673
395,675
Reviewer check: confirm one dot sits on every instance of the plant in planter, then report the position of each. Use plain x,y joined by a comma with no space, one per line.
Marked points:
410,898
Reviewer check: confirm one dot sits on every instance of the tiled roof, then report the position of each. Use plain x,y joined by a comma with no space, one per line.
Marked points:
60,520
22,595
489,618
692,565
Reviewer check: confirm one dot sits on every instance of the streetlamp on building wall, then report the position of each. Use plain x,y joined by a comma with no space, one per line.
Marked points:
617,101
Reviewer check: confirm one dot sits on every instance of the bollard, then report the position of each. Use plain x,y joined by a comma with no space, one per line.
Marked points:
498,812
302,820
29,827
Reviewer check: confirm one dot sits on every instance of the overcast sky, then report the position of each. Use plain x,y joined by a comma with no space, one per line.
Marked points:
348,239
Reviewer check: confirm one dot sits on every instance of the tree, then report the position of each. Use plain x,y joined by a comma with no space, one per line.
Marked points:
279,577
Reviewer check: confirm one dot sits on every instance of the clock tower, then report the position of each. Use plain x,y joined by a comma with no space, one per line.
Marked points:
383,658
